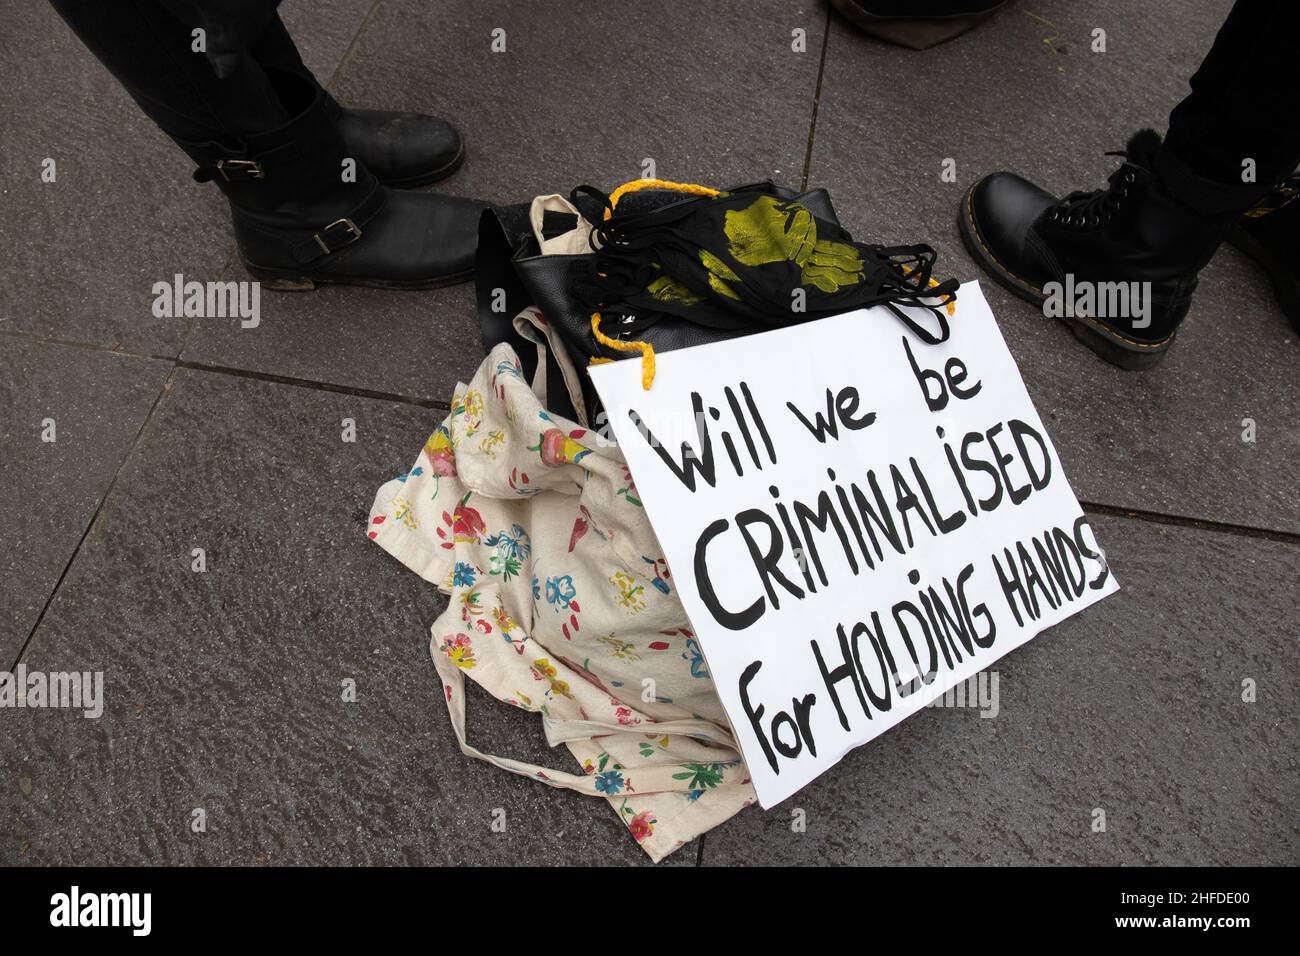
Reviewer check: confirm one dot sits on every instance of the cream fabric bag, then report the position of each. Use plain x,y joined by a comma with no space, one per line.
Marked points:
561,604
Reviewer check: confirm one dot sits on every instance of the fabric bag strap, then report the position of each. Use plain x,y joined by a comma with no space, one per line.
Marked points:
655,778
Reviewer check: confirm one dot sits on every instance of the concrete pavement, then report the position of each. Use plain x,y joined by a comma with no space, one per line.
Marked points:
176,434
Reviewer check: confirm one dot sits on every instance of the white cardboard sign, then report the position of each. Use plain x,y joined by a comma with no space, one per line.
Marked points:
856,521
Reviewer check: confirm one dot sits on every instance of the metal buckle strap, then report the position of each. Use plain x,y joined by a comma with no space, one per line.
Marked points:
240,169
231,170
351,231
341,233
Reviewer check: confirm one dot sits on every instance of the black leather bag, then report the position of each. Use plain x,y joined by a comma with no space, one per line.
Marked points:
512,275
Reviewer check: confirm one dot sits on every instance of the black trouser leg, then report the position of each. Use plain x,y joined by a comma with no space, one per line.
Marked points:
305,206
1243,103
150,51
275,50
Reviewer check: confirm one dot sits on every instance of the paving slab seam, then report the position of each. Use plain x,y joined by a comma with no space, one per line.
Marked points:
237,372
87,346
1094,507
347,54
1196,524
817,100
94,518
318,386
194,326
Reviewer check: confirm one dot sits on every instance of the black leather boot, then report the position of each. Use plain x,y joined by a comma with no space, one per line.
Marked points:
1138,244
403,150
1269,233
299,221
916,24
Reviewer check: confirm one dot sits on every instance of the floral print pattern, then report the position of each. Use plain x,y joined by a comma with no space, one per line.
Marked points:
463,575
509,550
629,593
560,591
439,452
547,671
459,649
561,605
642,825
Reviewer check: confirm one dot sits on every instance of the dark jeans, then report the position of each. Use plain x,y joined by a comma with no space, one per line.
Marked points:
148,46
1245,99
1243,102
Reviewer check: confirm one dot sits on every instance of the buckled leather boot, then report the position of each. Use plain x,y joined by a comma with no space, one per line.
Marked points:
1119,264
403,150
1269,233
299,220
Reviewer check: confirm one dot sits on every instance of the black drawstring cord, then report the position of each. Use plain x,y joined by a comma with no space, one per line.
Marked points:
902,274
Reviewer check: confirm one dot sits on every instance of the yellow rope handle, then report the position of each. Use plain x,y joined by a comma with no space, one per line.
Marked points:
638,184
950,305
645,348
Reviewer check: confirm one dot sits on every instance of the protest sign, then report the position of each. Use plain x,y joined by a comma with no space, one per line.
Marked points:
856,521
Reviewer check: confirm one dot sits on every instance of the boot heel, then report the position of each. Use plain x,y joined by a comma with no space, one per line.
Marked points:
289,285
280,281
1117,355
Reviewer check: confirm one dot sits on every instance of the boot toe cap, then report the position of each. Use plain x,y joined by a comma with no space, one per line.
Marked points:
998,216
443,235
403,149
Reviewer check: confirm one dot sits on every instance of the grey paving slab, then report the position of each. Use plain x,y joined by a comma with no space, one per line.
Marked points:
416,344
583,93
324,32
83,252
1133,707
1026,92
222,688
67,419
